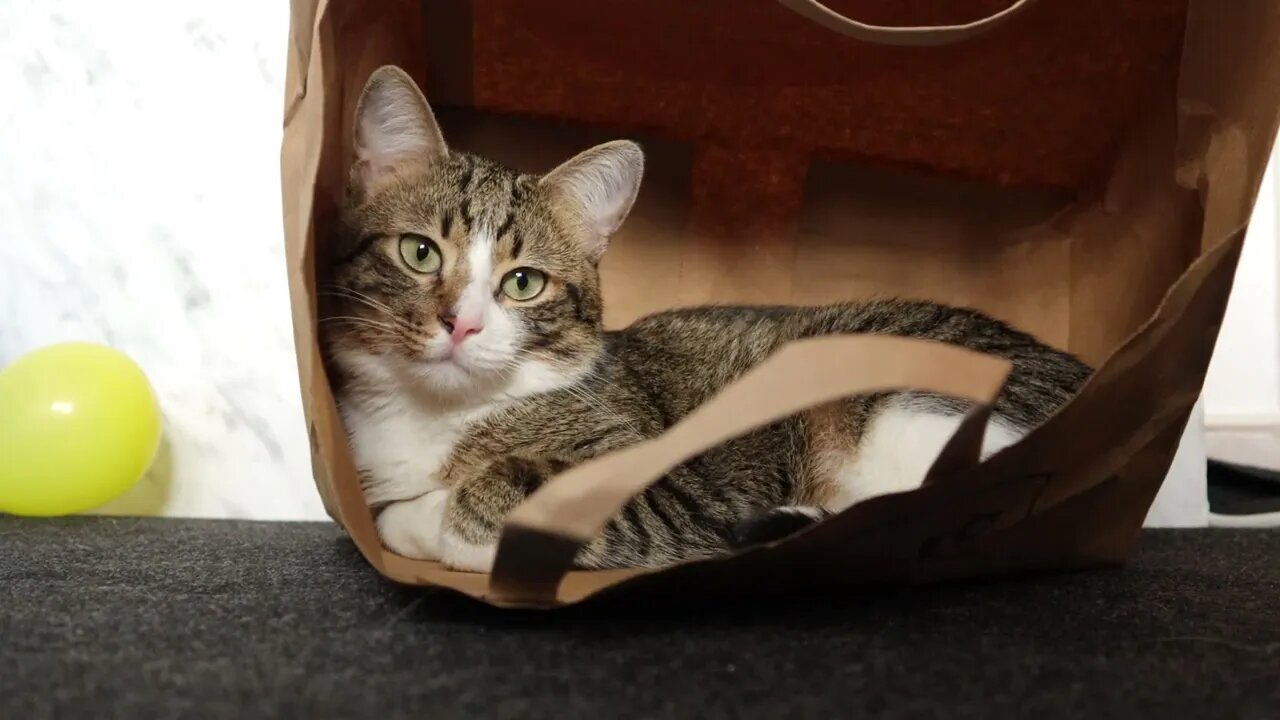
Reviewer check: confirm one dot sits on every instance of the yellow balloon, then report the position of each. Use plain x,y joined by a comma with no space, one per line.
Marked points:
79,425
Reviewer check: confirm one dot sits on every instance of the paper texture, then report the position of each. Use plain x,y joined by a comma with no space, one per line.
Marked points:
1123,254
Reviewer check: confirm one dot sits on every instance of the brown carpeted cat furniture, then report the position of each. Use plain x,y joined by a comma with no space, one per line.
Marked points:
1084,170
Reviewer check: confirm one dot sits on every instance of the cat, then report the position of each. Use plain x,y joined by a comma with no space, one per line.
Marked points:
463,329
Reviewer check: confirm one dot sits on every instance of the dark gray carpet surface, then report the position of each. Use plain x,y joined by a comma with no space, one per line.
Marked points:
191,619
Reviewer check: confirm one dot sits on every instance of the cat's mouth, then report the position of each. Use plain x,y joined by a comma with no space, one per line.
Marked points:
449,355
450,369
455,369
449,362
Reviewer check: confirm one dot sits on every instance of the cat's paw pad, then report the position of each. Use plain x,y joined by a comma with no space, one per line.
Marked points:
412,528
776,524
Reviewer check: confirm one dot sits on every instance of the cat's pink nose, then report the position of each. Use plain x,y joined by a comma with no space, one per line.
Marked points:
461,328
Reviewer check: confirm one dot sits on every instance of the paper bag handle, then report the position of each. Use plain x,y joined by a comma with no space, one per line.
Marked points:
544,533
919,36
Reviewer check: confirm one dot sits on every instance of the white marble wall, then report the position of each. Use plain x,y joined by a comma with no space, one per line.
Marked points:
139,206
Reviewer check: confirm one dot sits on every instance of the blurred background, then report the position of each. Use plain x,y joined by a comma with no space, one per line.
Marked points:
139,207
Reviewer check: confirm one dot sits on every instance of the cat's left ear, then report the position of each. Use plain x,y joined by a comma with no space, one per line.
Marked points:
601,185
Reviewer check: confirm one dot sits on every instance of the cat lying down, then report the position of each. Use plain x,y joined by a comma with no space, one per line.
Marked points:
465,333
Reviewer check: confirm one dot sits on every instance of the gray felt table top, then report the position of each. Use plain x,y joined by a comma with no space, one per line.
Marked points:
192,619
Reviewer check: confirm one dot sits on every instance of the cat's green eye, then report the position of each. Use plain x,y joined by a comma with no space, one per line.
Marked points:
420,253
523,284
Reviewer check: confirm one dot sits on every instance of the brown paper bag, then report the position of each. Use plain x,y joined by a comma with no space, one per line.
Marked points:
1084,170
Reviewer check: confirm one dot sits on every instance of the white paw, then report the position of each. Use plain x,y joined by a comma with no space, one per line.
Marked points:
413,528
458,554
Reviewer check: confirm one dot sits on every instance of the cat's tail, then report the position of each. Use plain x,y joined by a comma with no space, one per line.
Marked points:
775,524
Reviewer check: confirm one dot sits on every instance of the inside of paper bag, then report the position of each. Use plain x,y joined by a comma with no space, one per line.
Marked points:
779,171
1082,263
858,232
754,191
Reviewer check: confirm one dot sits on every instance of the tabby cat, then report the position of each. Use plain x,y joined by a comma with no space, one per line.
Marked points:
464,330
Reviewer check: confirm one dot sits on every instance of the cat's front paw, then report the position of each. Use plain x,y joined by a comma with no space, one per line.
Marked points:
458,554
413,528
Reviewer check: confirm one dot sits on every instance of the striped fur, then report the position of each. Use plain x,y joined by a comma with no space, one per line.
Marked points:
447,447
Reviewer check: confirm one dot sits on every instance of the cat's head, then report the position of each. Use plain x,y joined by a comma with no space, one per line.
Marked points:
462,278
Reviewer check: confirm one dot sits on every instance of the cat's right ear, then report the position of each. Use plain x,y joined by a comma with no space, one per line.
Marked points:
396,133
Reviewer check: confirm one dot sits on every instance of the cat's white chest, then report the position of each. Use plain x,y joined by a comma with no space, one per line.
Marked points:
402,447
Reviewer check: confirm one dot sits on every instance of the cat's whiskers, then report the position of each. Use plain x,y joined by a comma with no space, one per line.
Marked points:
346,293
335,290
589,397
360,321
